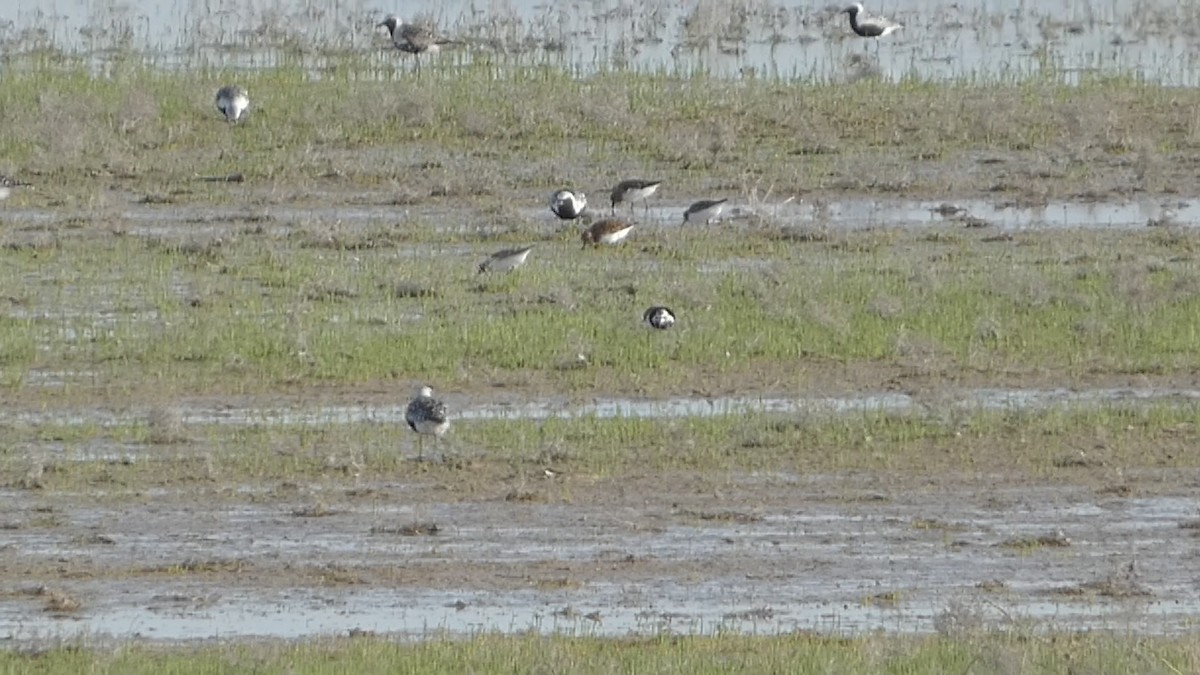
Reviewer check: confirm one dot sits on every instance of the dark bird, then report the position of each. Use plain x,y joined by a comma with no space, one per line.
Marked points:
568,205
704,211
659,317
633,190
869,26
427,416
413,38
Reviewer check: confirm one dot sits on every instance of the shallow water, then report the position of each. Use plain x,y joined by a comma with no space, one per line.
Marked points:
606,408
900,561
193,222
1003,39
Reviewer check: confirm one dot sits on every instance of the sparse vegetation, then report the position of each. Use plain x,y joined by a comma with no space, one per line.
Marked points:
728,653
323,252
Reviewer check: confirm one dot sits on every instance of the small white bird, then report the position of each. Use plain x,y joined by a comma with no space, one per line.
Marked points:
7,183
568,205
607,231
427,416
659,317
506,260
869,26
232,101
704,211
633,190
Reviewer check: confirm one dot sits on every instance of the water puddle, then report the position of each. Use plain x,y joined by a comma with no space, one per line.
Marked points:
1003,39
860,214
466,410
909,563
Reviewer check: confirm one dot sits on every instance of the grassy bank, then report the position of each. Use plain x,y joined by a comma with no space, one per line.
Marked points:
482,131
763,308
999,653
483,457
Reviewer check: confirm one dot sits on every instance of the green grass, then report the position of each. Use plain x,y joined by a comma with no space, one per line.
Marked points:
1056,444
156,128
260,311
728,653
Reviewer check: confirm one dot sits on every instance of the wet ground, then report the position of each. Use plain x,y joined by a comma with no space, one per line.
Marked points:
684,553
941,40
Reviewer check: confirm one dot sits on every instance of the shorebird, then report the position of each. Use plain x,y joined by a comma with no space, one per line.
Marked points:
505,261
427,416
412,38
633,190
607,231
704,211
568,205
7,183
232,101
659,317
869,26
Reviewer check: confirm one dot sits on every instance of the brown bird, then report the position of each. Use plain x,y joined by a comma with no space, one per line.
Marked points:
607,231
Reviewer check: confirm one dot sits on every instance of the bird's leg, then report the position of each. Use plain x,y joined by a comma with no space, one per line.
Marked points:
420,447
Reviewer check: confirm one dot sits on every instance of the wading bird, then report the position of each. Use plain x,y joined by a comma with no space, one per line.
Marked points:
427,416
633,190
704,211
232,101
607,231
659,317
568,205
505,261
412,38
869,26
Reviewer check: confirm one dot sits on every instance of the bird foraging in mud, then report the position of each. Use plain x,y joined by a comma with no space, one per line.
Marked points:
506,260
412,38
232,101
869,26
607,231
633,190
427,416
704,211
659,317
568,205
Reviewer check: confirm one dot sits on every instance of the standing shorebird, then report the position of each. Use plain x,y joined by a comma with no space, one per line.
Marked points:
633,190
427,416
659,317
869,26
232,101
505,261
7,183
412,38
704,211
568,205
607,231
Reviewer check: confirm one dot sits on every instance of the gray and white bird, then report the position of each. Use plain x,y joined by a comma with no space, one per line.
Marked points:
607,231
869,26
633,190
232,101
659,317
704,211
427,416
412,38
506,260
7,183
568,205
